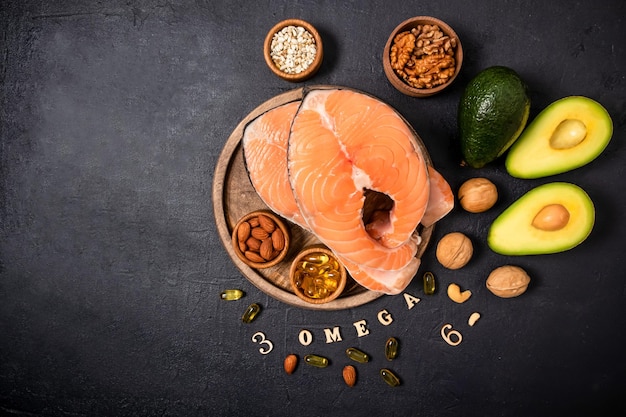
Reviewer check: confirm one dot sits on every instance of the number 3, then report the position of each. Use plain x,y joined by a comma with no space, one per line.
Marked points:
259,337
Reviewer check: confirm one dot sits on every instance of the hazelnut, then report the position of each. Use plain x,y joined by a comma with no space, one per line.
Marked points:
477,195
508,281
454,250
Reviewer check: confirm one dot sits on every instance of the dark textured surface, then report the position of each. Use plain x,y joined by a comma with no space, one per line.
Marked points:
112,117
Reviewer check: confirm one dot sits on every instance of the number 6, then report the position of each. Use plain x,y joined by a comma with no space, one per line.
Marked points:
447,335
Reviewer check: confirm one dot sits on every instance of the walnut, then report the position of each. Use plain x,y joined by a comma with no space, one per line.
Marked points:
403,45
424,56
508,281
454,250
477,195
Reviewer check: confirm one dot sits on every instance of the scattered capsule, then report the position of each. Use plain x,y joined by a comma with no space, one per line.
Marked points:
389,377
391,348
429,283
231,295
315,360
357,355
251,312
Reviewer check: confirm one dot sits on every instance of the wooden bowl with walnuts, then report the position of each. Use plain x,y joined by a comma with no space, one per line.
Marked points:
422,56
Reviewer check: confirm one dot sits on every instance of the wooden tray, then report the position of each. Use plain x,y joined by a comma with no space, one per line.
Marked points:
234,196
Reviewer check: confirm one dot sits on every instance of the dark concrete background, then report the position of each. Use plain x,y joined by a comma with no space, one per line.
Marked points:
112,117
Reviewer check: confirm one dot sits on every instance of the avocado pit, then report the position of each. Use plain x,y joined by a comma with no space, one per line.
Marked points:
551,218
568,134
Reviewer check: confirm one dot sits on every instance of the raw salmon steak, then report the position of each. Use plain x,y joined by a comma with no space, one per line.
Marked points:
316,162
265,154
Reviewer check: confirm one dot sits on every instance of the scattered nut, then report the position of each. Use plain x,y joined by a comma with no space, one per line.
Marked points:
454,250
508,281
473,318
455,294
349,375
477,195
291,361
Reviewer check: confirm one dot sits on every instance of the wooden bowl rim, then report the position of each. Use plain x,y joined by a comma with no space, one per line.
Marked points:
279,222
317,62
398,83
342,270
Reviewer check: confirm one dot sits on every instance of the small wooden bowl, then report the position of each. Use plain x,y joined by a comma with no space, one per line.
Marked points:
298,291
395,79
280,224
311,69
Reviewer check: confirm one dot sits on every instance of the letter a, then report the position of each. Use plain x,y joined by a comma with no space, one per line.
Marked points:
410,300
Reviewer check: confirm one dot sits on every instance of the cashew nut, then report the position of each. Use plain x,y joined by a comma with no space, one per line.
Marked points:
473,318
455,294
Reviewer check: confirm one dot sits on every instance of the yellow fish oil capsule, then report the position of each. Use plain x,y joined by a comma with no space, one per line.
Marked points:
231,295
389,377
316,360
429,283
391,348
251,312
357,355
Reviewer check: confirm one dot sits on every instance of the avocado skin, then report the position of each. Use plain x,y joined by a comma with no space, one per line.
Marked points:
492,113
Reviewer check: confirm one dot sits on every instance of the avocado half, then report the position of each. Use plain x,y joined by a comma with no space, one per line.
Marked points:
569,133
514,232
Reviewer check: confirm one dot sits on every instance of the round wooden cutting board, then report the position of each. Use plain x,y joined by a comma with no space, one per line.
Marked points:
234,197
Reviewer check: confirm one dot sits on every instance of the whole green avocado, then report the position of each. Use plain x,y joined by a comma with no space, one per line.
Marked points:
492,113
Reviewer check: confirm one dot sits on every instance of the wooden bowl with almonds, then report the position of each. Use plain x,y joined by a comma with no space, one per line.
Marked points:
261,239
422,56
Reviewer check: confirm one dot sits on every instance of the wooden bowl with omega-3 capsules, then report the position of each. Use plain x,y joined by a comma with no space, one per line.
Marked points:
261,239
293,50
316,275
422,56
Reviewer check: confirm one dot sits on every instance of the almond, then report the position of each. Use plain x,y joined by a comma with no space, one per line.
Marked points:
278,240
349,375
243,231
266,250
266,223
259,233
290,363
243,247
254,257
254,221
253,243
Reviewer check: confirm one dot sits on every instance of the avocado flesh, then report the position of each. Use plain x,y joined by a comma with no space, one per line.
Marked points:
493,112
537,153
512,232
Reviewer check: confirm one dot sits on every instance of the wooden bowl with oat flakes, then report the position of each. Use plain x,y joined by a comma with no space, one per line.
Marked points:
422,56
293,50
